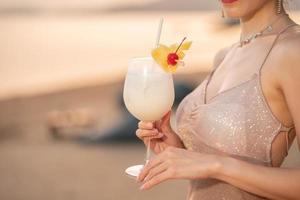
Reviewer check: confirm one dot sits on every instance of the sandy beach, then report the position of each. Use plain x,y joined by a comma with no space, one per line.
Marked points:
57,55
36,166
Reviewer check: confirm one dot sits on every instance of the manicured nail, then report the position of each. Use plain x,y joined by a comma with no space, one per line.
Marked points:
155,132
142,187
146,179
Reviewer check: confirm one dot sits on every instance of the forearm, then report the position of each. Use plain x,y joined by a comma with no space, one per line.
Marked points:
274,183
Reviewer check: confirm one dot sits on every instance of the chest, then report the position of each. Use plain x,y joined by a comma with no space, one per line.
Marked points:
238,66
236,122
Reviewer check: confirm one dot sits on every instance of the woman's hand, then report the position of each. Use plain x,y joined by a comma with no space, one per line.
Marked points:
175,163
160,133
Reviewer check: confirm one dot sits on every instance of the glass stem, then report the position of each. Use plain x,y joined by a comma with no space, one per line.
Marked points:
148,151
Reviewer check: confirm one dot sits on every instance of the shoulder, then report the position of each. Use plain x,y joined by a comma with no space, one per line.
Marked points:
289,41
287,55
220,55
288,72
288,45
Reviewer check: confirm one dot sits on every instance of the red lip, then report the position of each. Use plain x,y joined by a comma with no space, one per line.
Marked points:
229,1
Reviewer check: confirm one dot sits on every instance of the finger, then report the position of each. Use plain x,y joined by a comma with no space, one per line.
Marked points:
156,170
141,133
152,163
157,125
166,117
165,175
163,124
145,125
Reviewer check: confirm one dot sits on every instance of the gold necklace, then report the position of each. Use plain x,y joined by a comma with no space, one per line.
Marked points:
267,29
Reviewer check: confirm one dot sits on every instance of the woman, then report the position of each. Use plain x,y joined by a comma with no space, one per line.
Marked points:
234,130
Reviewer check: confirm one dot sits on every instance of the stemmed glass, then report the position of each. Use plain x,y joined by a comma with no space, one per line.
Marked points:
148,95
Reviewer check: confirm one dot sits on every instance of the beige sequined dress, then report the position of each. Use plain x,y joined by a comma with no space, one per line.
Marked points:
237,122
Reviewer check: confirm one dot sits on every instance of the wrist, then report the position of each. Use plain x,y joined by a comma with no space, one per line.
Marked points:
222,167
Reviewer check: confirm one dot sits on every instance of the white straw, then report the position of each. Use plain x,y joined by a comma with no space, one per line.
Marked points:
148,153
159,32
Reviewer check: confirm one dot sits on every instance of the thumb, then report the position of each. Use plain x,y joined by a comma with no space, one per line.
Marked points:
165,122
166,118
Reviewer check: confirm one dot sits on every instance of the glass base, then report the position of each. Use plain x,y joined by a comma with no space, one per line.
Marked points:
134,171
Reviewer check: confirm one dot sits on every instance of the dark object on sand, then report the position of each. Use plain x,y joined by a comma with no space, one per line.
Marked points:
70,124
125,131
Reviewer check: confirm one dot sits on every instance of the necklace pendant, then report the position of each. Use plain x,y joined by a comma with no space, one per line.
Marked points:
269,28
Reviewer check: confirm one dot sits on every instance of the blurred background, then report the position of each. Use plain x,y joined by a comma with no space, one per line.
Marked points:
64,131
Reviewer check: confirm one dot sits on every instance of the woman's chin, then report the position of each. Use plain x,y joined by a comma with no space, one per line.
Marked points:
238,12
234,13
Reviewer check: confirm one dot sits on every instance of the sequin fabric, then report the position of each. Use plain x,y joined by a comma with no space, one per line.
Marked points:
237,122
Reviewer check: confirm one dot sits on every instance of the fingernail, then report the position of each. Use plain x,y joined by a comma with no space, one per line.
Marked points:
157,135
149,124
142,187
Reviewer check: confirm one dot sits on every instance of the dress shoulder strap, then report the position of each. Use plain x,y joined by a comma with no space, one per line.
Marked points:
283,127
272,46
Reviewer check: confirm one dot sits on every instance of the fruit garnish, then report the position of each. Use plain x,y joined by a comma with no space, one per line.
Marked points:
168,57
172,58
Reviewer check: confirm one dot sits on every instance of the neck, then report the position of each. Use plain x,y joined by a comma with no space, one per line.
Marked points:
255,22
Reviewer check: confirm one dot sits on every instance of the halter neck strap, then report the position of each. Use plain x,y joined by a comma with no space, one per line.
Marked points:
273,44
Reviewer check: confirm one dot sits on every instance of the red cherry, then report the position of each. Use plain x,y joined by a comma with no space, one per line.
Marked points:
172,59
